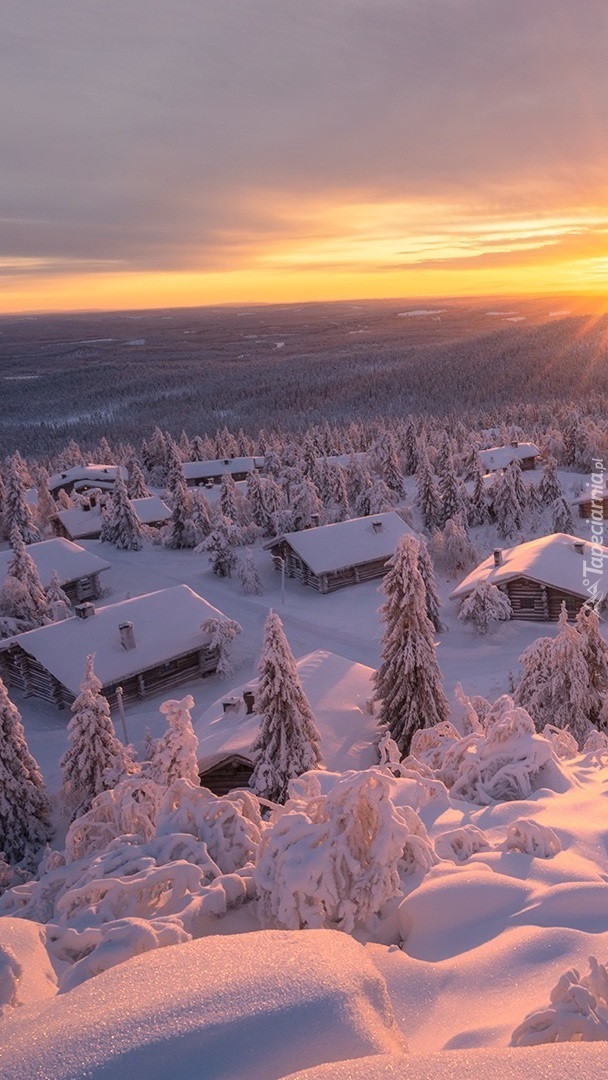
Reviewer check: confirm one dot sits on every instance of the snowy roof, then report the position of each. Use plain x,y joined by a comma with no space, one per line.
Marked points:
551,560
194,470
69,560
79,522
592,493
498,457
166,625
347,543
338,691
88,473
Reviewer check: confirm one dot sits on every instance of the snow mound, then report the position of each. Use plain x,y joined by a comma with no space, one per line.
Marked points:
558,1062
258,1004
26,975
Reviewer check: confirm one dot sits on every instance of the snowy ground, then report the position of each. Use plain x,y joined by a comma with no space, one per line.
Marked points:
484,941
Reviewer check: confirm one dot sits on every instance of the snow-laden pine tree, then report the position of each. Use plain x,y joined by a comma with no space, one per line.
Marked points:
57,601
555,687
24,569
17,513
93,748
428,499
484,606
306,506
249,578
199,521
255,494
595,652
453,547
136,483
179,534
288,742
433,603
408,682
46,508
508,510
219,546
561,517
376,499
410,448
173,755
478,505
222,633
120,524
549,487
450,493
24,805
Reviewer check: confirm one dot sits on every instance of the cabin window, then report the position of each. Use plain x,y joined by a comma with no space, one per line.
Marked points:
527,603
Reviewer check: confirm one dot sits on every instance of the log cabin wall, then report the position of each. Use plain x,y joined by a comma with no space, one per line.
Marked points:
540,603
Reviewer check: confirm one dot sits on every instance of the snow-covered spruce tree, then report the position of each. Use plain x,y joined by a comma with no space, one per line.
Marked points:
57,601
255,494
249,578
478,506
288,740
17,513
428,499
561,518
219,547
228,491
24,569
484,606
408,682
376,499
392,474
508,510
306,506
173,755
449,492
410,448
136,483
222,633
555,687
549,487
453,547
334,491
24,805
103,452
199,522
433,603
121,525
46,507
179,534
93,748
595,652
359,479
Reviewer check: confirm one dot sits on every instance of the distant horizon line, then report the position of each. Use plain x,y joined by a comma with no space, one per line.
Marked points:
590,298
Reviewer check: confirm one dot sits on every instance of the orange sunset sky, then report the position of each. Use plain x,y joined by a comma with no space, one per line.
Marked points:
194,152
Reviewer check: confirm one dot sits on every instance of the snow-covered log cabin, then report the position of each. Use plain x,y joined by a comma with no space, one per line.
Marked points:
539,575
78,569
197,473
330,557
146,645
84,522
593,503
499,457
339,692
83,477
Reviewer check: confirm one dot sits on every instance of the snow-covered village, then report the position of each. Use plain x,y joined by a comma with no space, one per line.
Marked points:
304,540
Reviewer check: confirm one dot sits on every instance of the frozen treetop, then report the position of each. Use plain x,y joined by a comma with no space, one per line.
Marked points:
79,522
347,543
69,560
99,475
167,624
200,470
498,457
551,560
338,691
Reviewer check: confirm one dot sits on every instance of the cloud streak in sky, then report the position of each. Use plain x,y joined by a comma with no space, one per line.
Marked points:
204,136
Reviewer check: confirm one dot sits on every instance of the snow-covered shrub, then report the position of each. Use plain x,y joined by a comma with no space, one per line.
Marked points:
564,744
459,844
578,1011
174,754
485,605
507,761
230,826
531,838
131,808
334,860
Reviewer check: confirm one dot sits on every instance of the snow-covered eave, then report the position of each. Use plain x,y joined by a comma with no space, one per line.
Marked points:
466,587
319,568
226,757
